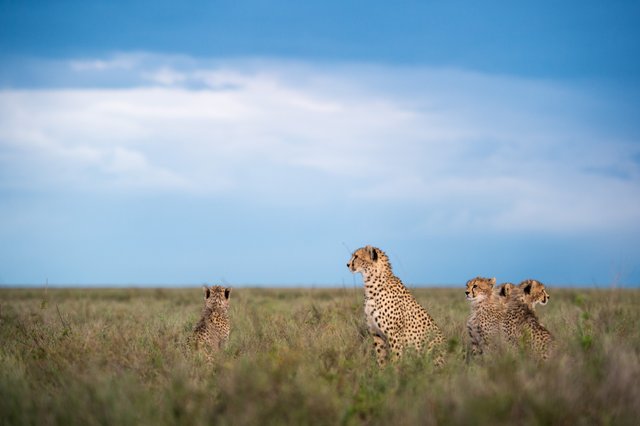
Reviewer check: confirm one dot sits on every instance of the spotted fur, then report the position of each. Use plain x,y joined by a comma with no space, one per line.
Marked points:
488,306
211,333
521,326
396,321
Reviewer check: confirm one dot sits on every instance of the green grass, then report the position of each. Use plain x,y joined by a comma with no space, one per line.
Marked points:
119,356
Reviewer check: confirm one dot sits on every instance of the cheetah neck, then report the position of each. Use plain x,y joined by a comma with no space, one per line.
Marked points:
213,311
519,302
375,280
482,300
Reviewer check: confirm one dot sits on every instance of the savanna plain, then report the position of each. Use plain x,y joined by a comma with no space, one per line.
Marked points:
303,356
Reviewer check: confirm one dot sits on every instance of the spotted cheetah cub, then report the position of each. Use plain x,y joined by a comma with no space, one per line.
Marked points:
521,324
488,306
212,331
394,318
535,292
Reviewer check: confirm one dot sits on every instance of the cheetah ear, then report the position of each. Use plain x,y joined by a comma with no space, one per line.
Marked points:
492,281
207,292
227,293
527,288
373,254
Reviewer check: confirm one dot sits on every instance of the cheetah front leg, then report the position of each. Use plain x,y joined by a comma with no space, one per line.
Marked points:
476,347
380,346
478,340
396,347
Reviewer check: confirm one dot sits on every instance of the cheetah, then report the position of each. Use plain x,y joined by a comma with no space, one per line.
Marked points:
394,318
535,292
211,333
488,305
521,324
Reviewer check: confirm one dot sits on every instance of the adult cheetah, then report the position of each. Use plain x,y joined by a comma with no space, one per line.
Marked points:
212,331
394,318
521,325
488,306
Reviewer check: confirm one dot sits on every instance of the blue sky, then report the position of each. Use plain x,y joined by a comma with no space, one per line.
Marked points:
259,143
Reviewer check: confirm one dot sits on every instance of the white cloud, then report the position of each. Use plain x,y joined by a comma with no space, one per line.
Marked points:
118,62
478,150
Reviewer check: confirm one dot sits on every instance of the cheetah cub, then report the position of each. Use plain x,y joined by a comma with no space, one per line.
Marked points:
395,319
488,306
212,331
521,324
534,292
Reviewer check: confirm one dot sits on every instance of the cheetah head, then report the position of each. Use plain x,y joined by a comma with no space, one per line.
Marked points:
366,259
534,292
216,296
505,289
479,288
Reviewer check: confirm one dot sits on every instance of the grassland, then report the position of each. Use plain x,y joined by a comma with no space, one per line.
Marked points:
119,356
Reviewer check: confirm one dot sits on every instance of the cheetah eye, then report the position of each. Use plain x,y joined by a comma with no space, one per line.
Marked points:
475,286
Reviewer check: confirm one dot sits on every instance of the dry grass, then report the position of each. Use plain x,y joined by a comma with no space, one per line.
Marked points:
118,356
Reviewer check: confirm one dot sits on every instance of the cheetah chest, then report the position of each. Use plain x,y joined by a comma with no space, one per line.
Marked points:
371,315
